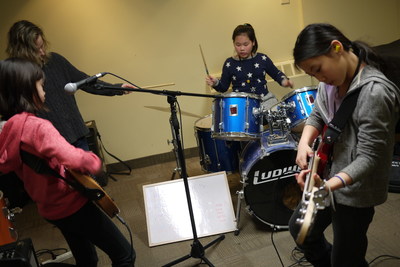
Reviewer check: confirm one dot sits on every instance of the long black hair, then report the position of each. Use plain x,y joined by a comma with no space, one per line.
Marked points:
249,31
18,92
315,40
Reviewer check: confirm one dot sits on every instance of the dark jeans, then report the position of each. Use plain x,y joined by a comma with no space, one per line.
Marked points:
350,226
90,227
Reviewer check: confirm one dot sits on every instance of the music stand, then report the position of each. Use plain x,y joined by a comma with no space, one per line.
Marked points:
198,250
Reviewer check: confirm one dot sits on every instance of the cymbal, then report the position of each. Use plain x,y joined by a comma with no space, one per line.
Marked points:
169,110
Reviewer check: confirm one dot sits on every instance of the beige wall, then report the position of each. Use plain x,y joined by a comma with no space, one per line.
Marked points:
373,21
157,41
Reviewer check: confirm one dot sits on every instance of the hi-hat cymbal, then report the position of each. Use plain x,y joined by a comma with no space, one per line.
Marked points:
169,110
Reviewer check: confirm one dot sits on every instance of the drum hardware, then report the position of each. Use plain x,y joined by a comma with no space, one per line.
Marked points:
278,131
178,168
302,107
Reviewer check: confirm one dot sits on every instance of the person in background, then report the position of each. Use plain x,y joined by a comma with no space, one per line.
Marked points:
247,69
358,169
81,222
27,40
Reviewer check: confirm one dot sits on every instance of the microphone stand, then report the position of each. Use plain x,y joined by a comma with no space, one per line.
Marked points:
197,250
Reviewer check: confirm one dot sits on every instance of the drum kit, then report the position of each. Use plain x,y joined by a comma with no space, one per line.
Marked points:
241,135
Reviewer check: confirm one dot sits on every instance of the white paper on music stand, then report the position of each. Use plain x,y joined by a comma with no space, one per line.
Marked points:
167,212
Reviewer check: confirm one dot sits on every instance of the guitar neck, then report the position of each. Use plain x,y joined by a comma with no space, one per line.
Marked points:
314,169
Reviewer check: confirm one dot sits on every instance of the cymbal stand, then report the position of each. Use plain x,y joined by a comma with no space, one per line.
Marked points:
174,142
197,250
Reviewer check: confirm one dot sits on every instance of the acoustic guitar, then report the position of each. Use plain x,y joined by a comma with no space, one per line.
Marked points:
96,192
312,201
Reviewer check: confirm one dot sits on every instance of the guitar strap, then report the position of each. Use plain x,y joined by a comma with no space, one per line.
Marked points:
40,166
336,125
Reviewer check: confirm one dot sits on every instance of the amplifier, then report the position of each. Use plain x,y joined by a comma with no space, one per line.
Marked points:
18,254
92,139
394,178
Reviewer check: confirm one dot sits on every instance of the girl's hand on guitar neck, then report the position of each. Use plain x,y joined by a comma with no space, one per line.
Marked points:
304,153
302,176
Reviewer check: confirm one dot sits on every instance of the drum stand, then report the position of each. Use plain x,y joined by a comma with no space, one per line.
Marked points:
240,195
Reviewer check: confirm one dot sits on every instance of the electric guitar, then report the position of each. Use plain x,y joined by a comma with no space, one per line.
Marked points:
8,233
312,200
95,192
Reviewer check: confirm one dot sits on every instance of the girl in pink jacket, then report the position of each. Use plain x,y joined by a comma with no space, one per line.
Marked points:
83,225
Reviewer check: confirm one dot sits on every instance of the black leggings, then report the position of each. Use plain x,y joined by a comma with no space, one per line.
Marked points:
350,226
90,227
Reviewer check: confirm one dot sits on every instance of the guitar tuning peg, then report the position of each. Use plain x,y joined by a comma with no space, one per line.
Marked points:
302,211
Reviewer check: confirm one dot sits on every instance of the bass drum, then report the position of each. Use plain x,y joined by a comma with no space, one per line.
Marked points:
270,188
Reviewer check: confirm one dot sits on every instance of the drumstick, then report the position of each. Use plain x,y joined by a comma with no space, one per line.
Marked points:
157,85
204,60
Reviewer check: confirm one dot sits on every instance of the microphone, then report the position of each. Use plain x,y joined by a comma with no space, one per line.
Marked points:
72,87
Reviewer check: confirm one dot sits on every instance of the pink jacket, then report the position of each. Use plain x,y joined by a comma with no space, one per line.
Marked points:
55,199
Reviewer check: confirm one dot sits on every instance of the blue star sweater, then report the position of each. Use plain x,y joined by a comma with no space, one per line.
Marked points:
248,75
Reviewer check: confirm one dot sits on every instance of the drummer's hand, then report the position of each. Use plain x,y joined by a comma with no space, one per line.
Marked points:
211,81
127,85
304,152
287,83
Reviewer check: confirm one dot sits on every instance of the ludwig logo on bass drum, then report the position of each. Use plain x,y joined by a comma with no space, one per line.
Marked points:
276,174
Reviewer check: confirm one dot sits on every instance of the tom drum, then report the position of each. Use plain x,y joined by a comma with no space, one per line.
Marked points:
215,154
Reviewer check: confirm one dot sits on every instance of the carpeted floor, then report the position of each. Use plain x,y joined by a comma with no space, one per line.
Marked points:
255,245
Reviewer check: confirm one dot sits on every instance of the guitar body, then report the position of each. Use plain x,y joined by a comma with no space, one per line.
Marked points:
309,208
104,201
8,233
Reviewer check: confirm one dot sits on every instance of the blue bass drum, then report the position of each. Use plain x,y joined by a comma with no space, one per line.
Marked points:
301,102
236,117
215,155
270,188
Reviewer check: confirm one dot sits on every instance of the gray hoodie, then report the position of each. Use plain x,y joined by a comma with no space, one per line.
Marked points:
364,149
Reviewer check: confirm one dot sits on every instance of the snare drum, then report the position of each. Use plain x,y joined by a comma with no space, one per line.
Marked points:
300,102
215,155
270,188
236,117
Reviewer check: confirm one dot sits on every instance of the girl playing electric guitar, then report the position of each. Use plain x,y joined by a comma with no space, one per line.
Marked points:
361,155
